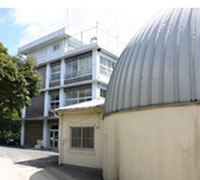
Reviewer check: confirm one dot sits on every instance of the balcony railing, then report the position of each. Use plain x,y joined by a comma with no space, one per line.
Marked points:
96,35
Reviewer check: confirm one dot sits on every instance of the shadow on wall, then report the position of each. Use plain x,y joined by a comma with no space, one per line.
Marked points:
51,170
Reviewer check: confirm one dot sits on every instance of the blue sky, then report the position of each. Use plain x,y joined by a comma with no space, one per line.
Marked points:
21,26
10,33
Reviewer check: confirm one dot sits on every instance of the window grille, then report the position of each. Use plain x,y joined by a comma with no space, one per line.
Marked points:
82,137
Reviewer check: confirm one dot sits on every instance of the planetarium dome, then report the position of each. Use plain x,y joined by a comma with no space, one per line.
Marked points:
160,65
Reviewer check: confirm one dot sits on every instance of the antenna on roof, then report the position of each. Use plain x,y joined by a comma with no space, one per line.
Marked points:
67,18
97,26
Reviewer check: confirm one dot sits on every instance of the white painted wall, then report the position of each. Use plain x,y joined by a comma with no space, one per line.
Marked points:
47,53
102,77
55,54
86,158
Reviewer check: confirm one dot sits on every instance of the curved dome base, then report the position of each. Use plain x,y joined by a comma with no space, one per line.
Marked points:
159,143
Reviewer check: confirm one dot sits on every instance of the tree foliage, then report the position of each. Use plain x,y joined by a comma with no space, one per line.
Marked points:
19,82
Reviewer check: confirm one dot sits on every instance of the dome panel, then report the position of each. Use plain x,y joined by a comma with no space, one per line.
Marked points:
160,65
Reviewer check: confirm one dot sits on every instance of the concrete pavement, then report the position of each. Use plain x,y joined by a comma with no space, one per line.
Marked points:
30,164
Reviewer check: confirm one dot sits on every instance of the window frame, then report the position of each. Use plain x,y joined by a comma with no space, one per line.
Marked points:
106,67
54,101
81,138
55,73
79,73
56,47
78,98
103,89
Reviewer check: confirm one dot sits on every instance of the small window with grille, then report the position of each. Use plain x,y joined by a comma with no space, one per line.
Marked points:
56,47
82,137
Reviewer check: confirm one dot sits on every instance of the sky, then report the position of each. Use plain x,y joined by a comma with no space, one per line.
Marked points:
19,26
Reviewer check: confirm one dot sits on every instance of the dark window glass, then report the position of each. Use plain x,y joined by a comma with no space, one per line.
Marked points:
82,137
76,137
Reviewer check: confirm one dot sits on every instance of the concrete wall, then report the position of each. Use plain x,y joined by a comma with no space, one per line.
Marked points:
154,144
87,158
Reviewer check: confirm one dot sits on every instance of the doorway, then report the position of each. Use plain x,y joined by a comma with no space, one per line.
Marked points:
53,136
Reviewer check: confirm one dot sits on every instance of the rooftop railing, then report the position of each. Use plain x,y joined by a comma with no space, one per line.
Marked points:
98,35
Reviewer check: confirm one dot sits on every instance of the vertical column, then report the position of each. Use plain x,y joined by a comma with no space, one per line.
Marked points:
95,59
45,134
94,64
22,133
62,72
48,74
46,104
61,97
62,80
97,64
94,90
24,112
65,45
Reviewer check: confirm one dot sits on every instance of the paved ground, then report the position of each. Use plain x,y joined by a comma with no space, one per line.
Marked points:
30,164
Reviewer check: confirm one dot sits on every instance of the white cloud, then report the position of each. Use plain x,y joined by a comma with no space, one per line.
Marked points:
122,22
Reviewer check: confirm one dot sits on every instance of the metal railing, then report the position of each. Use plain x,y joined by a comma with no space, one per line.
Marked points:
98,35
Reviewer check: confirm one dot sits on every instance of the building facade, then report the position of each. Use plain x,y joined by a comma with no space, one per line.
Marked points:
72,72
150,128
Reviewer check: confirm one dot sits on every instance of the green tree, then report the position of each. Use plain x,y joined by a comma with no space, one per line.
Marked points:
19,82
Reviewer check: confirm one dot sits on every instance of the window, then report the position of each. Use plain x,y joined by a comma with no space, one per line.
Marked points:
85,65
56,47
106,67
102,93
79,67
82,137
54,101
55,73
72,69
78,96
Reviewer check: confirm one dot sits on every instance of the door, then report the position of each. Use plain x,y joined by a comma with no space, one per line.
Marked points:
53,136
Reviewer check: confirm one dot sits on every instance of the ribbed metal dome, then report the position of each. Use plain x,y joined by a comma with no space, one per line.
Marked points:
160,65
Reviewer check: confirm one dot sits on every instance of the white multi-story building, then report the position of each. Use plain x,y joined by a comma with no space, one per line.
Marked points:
73,71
